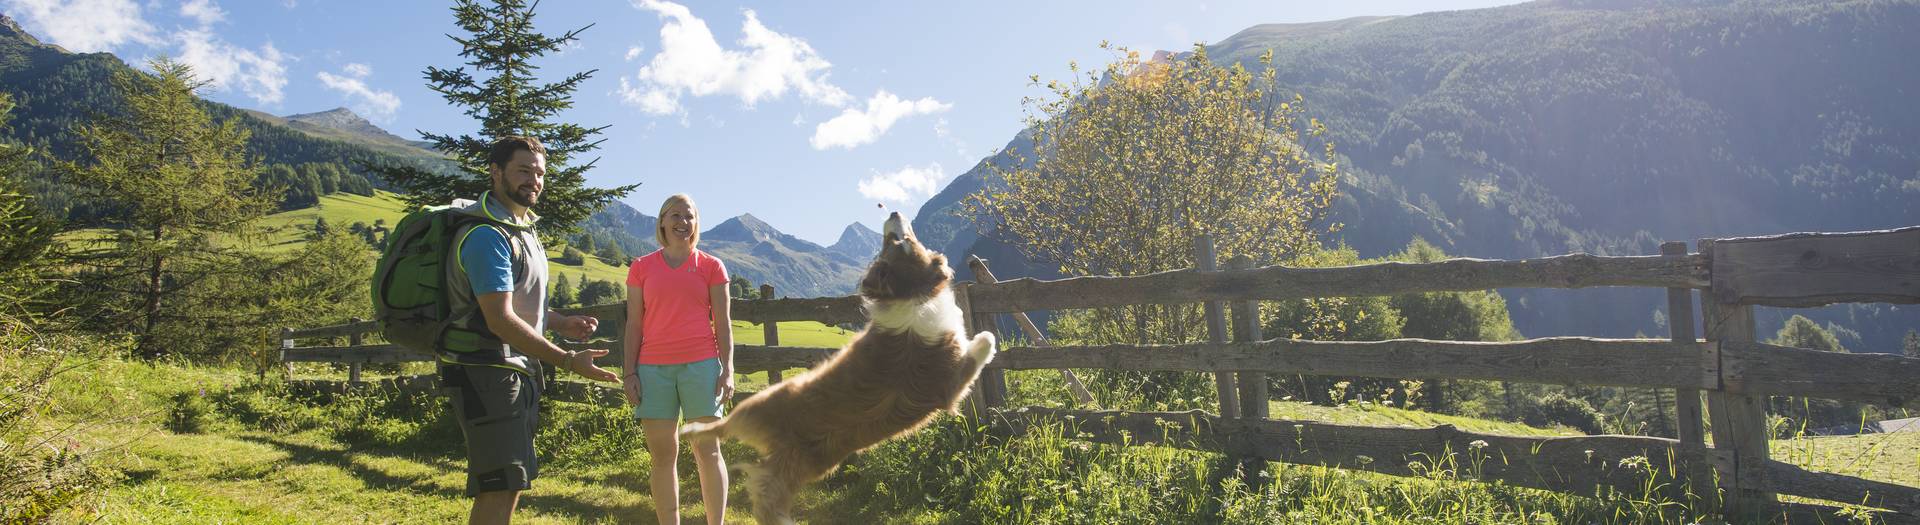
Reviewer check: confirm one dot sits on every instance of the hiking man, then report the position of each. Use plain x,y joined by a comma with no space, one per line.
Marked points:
497,285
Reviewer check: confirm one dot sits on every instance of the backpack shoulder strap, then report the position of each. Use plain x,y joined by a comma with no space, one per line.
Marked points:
471,223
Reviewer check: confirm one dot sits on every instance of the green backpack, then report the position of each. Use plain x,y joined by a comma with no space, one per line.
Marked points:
410,299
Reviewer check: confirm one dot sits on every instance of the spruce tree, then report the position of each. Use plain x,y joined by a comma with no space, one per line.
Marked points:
178,187
562,296
497,86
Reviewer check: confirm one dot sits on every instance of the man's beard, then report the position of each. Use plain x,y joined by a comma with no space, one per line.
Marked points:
526,198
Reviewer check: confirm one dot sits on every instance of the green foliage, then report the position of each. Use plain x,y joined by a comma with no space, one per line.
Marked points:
1135,160
503,45
320,229
1333,319
572,256
27,247
1801,332
740,288
562,295
953,473
302,185
1803,414
1558,409
1454,316
43,472
187,413
174,180
601,292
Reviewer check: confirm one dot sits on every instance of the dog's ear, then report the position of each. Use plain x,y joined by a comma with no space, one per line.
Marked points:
939,259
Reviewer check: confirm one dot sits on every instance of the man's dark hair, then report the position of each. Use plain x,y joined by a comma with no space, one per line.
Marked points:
502,149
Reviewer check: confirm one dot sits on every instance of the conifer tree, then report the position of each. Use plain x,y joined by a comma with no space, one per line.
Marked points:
497,85
179,189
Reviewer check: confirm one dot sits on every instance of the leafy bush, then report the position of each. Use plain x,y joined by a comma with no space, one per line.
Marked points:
1557,408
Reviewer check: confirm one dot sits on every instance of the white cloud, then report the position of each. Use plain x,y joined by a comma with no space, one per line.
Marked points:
651,101
905,184
203,11
633,52
375,104
259,74
855,126
85,26
766,65
104,25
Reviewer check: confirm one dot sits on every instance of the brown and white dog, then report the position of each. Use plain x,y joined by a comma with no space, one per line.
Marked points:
911,362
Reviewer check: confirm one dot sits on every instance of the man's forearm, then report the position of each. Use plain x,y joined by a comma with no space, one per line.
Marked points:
521,336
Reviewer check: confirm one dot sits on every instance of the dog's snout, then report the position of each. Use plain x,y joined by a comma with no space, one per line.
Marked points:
895,227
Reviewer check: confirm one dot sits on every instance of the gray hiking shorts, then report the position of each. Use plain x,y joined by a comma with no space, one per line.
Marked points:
497,409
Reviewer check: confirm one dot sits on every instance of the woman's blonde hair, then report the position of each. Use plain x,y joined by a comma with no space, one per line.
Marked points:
660,228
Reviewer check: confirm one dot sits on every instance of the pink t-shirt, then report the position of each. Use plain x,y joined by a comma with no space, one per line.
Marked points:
677,319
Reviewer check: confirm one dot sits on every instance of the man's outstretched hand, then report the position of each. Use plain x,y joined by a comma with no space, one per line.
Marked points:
581,362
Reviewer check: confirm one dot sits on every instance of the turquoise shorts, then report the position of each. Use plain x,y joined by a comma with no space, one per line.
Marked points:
678,391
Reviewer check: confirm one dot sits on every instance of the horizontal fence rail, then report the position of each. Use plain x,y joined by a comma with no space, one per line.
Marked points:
1886,379
1394,278
1818,269
1559,360
1579,464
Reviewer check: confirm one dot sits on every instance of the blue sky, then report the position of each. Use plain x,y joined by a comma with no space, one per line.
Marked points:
805,114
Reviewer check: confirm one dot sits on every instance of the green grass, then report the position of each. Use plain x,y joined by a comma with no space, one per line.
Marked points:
289,229
1892,457
205,444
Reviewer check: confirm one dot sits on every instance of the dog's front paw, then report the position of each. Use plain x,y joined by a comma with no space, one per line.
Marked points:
981,349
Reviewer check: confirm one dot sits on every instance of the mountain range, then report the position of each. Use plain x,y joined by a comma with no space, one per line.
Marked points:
1598,126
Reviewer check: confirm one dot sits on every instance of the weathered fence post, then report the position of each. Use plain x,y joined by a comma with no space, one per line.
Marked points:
1204,260
772,331
1246,329
993,380
1253,385
1739,418
286,343
976,404
1686,405
354,339
984,275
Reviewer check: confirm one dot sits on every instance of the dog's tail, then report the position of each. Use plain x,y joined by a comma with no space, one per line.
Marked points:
704,430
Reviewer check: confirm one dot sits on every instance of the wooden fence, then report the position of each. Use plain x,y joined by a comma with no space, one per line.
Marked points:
1730,466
